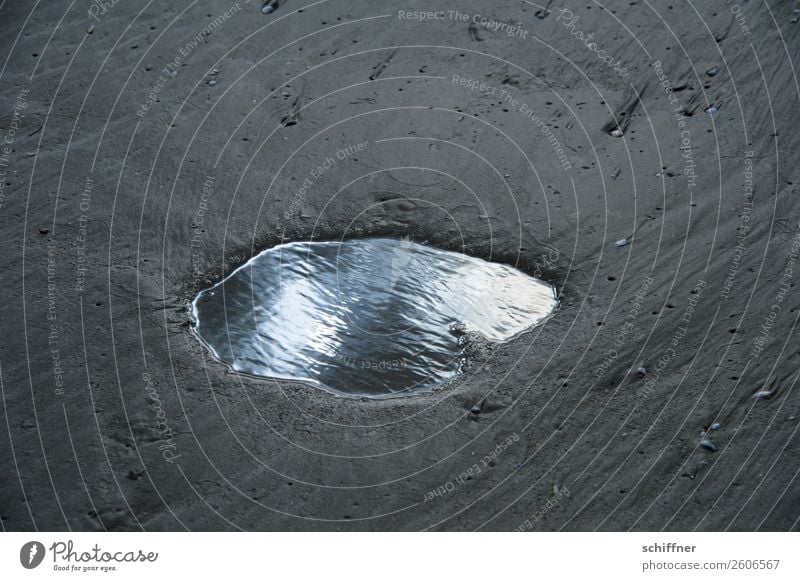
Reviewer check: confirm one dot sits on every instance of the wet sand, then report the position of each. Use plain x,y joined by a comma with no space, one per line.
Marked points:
639,157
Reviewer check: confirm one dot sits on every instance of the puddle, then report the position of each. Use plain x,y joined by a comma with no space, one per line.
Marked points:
364,318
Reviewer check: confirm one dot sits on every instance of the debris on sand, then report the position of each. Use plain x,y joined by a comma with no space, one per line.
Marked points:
763,394
708,445
621,242
617,126
693,474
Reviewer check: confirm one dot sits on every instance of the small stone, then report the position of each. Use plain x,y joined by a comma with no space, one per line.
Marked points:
617,132
458,330
763,394
711,110
478,407
44,231
642,371
715,426
621,242
712,72
708,444
211,82
267,8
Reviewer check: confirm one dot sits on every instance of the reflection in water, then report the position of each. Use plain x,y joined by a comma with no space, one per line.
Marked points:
372,317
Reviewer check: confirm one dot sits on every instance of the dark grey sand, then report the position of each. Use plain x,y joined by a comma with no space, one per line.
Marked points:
115,418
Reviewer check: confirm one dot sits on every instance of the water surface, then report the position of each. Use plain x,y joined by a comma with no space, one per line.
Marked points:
373,317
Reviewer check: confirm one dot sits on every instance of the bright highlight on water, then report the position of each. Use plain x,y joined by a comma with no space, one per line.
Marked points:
365,318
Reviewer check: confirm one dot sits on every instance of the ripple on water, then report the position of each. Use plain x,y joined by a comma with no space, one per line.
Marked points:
374,317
